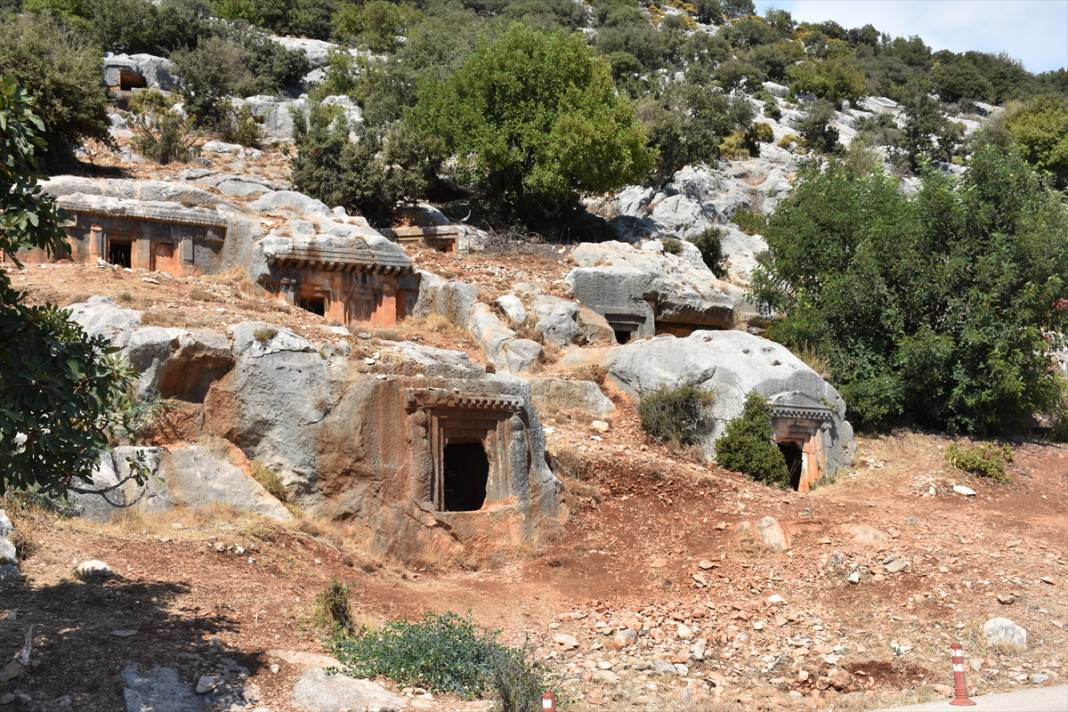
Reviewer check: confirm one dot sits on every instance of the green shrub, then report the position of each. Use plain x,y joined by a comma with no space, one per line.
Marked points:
751,222
984,459
672,245
747,445
772,110
676,415
443,653
817,127
534,119
787,141
710,244
929,308
370,175
735,147
61,72
375,24
332,609
160,134
762,132
242,128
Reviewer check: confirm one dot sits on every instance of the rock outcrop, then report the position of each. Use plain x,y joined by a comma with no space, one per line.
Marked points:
645,291
730,365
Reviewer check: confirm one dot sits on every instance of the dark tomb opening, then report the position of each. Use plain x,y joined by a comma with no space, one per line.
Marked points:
622,336
466,474
120,253
792,454
315,305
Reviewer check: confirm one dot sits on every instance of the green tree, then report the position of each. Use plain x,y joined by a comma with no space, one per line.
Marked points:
931,308
1040,129
370,174
836,79
375,24
61,71
60,392
748,446
817,127
534,119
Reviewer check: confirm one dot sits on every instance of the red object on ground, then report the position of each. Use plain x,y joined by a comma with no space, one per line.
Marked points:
548,702
960,688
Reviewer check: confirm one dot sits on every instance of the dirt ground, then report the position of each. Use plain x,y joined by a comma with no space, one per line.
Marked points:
637,533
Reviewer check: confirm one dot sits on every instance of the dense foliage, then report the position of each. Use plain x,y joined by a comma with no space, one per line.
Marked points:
443,653
61,393
747,445
930,308
533,119
61,71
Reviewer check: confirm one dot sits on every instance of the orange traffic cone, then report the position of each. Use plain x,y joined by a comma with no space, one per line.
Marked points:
960,687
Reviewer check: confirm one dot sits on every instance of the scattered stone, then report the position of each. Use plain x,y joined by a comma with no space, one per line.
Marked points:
10,671
705,565
1004,631
207,683
1047,579
566,641
623,638
318,691
92,570
962,490
776,600
896,566
767,531
124,633
683,631
600,426
1038,678
1006,599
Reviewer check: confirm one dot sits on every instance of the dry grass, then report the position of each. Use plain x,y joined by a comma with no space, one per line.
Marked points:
268,479
593,372
439,324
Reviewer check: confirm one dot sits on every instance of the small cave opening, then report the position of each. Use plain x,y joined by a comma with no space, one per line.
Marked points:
315,305
466,475
120,253
622,336
792,454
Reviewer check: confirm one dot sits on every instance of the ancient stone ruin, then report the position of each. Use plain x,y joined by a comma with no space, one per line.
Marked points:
646,291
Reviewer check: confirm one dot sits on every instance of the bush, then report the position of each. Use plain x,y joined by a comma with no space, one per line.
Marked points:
735,147
302,18
930,308
672,245
332,608
443,653
370,175
374,25
1040,129
747,445
676,415
160,134
710,245
61,72
242,128
534,119
762,132
835,80
751,222
985,460
817,128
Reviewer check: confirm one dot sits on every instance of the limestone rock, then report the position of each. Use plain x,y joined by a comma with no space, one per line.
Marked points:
730,364
8,555
92,570
5,524
865,535
435,362
647,290
1005,632
214,472
503,347
101,316
766,531
178,363
283,201
593,329
153,72
554,319
317,691
158,690
451,299
512,308
562,395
